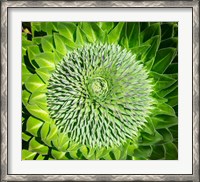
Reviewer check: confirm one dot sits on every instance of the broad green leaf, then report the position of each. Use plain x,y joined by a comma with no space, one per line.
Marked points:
51,27
131,149
28,155
35,27
39,98
167,136
58,155
171,152
47,44
151,52
35,146
114,35
106,26
101,152
73,154
117,153
80,37
174,131
89,32
168,90
60,44
147,139
33,83
61,142
33,51
171,42
26,137
133,34
46,59
150,32
45,130
44,73
143,152
164,109
67,30
25,96
158,152
37,40
73,147
163,59
84,151
172,68
100,34
33,125
38,112
40,157
167,30
164,121
173,101
25,73
139,51
161,85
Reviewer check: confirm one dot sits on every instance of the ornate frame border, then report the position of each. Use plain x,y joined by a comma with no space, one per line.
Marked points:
4,97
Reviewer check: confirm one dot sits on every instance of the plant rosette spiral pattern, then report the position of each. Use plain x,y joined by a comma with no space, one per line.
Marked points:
99,91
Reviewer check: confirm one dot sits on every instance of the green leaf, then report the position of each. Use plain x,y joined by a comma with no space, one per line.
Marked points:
33,125
28,155
25,97
164,109
173,101
171,42
168,90
171,152
147,139
167,136
38,112
167,30
80,38
164,121
33,51
89,32
44,73
51,27
25,137
172,68
151,52
117,153
46,59
67,30
133,34
163,59
47,44
150,32
35,146
114,35
58,155
35,27
39,98
61,142
40,157
60,44
84,151
106,26
25,73
33,83
158,152
143,152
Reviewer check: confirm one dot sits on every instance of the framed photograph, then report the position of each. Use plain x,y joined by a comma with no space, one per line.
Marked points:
100,91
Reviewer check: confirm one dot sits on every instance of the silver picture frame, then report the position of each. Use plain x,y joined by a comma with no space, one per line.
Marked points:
5,5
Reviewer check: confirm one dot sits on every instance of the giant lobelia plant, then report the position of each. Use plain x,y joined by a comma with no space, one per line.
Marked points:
99,91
